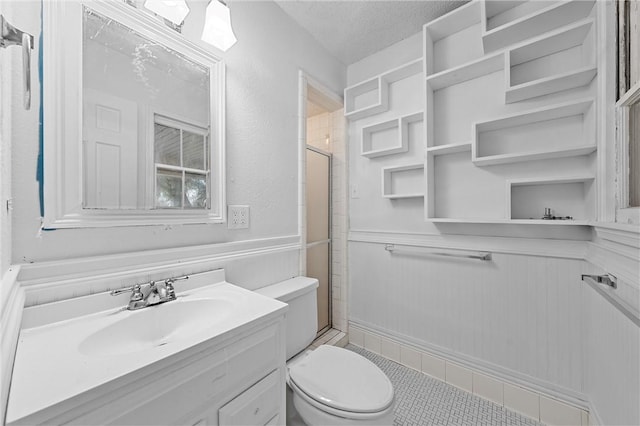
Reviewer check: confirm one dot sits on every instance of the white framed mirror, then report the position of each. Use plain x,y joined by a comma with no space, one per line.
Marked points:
133,120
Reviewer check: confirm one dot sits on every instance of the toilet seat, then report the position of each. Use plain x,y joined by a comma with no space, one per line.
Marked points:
342,383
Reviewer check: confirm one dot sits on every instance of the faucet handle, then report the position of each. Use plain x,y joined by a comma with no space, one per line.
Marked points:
171,292
137,293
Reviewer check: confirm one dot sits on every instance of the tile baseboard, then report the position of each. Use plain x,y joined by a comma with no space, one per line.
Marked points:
530,403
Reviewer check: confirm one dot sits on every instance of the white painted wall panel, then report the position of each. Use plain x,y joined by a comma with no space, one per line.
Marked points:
518,313
612,353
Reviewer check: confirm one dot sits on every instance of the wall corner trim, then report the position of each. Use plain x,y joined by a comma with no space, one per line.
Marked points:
12,305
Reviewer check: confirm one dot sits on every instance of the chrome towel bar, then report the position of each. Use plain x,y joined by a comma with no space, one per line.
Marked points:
605,286
416,249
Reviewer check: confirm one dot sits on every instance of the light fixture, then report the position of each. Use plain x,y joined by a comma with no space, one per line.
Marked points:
171,10
217,26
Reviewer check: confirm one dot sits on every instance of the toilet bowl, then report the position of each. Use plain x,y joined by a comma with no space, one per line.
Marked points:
334,386
329,385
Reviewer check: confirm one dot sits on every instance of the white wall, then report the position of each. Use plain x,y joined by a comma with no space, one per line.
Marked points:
525,317
261,112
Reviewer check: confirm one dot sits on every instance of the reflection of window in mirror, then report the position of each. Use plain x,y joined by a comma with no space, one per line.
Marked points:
134,129
181,165
629,110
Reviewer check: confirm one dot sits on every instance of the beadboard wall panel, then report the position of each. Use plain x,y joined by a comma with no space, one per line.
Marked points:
517,313
612,351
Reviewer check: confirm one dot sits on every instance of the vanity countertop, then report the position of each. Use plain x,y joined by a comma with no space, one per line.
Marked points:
59,361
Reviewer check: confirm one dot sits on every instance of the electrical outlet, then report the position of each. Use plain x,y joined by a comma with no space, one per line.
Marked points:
237,217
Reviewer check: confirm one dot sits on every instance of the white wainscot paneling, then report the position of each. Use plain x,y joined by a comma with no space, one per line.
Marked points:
518,316
612,362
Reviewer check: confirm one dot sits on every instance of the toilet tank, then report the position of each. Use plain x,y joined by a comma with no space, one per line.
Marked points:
302,317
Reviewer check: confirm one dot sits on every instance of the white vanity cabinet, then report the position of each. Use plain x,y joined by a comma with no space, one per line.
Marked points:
238,381
233,372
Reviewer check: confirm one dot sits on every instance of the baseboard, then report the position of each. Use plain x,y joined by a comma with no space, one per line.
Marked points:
547,405
12,306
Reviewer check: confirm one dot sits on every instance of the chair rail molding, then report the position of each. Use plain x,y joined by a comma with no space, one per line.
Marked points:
565,249
62,279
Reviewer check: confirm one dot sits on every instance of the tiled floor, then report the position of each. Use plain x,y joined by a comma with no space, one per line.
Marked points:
422,400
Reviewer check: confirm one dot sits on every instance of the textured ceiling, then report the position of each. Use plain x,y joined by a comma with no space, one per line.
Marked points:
354,29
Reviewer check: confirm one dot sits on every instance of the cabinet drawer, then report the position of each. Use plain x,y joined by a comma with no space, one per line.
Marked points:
258,405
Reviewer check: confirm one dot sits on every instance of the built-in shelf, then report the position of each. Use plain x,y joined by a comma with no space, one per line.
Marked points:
527,199
480,62
560,60
446,39
469,71
452,148
510,221
561,130
406,181
371,97
506,23
389,137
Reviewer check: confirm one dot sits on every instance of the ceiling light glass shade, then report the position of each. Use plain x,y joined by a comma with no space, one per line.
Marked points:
171,10
217,26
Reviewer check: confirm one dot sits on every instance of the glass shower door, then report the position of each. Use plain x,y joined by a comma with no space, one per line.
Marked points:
318,201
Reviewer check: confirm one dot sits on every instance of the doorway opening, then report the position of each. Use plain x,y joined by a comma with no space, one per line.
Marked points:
323,215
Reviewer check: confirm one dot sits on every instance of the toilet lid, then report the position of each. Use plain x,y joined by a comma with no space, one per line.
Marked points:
343,380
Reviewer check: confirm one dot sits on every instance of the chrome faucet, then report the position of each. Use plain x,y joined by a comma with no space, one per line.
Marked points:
151,293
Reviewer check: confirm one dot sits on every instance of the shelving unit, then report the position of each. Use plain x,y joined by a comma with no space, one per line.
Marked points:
500,54
388,137
446,39
527,199
551,132
504,24
371,97
536,68
405,181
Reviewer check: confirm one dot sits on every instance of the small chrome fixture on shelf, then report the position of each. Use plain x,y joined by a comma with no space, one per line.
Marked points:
151,293
11,36
549,216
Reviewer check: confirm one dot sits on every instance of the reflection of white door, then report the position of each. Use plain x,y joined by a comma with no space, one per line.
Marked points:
110,135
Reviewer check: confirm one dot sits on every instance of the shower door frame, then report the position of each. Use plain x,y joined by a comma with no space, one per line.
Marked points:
328,241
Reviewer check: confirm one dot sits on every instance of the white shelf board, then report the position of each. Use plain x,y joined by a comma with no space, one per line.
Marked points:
452,148
394,148
552,84
453,22
565,196
387,181
557,41
567,109
562,39
551,112
474,69
379,84
510,221
401,137
380,104
536,23
491,160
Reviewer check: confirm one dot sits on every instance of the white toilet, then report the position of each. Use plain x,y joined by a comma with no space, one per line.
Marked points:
330,385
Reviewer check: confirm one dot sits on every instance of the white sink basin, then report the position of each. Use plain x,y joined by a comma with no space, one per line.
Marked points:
155,326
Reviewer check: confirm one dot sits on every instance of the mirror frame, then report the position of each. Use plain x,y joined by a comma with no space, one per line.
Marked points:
62,126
